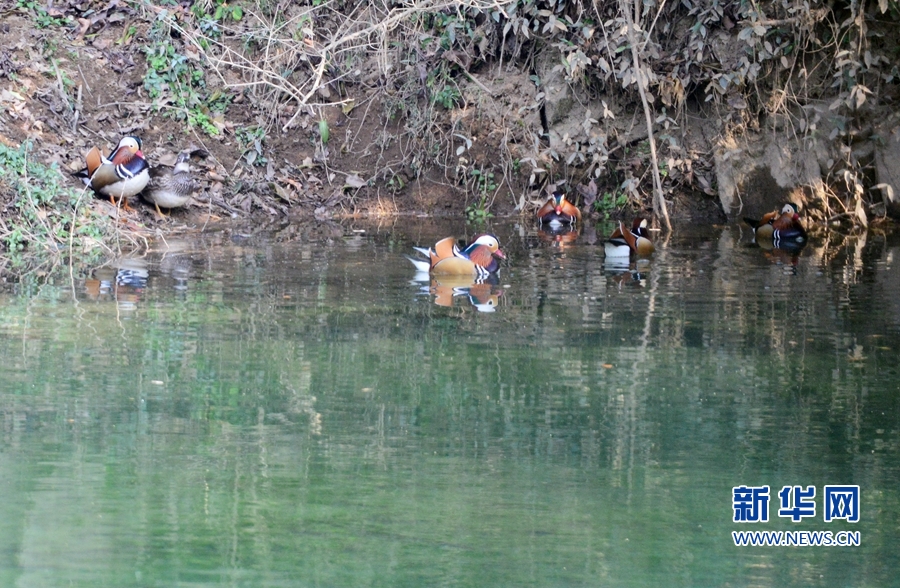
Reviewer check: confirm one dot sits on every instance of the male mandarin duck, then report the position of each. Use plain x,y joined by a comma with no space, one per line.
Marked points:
171,188
782,227
788,226
124,173
623,242
558,211
480,259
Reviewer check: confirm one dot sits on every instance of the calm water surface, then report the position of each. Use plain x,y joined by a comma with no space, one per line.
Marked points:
292,409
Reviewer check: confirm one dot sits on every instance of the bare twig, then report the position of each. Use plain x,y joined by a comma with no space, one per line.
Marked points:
659,201
77,115
283,53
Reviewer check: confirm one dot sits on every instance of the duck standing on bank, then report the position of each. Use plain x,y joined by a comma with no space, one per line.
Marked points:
479,259
623,242
171,188
121,175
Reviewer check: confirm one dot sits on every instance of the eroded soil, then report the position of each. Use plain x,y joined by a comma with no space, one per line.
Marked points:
66,93
391,150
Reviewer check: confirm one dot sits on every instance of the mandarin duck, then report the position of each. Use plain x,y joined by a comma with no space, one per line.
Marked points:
788,228
781,228
763,226
479,259
558,211
124,173
171,188
623,241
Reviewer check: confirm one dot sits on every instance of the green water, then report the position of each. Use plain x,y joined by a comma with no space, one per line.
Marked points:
291,409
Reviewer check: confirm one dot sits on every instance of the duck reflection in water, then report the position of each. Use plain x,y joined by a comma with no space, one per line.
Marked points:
483,294
623,273
561,236
788,254
123,281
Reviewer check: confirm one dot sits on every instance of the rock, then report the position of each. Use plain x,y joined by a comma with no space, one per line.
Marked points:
887,164
758,172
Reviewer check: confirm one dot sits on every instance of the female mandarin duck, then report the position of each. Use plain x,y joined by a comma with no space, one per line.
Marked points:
558,211
124,173
623,242
783,228
480,259
171,188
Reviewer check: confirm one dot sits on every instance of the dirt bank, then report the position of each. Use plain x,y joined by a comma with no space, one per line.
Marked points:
438,109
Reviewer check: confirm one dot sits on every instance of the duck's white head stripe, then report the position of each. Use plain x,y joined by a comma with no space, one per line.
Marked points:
123,172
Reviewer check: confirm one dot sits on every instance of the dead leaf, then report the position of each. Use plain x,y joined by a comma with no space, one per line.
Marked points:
166,157
282,192
354,181
83,25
